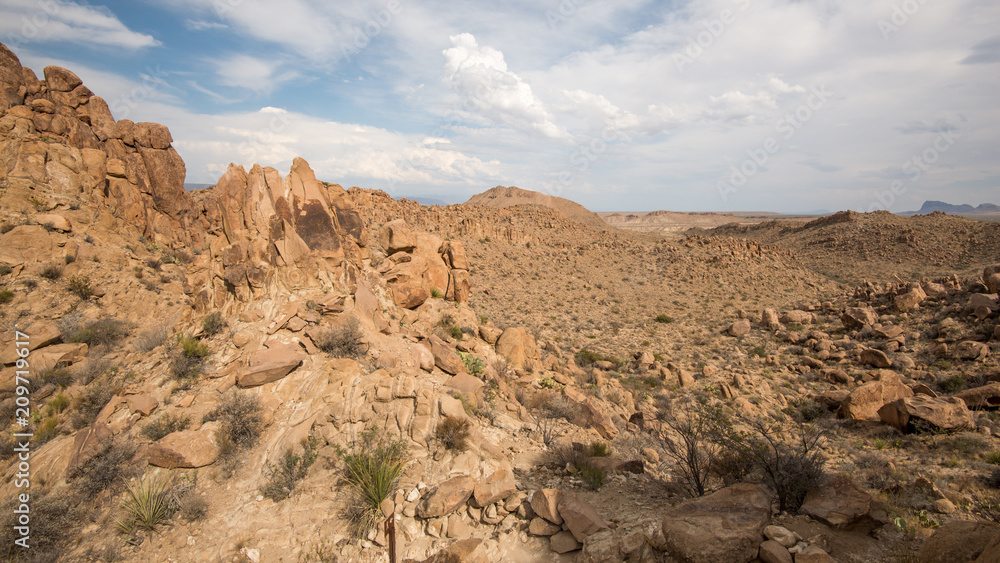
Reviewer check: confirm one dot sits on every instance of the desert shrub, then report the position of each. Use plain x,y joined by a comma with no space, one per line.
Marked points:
102,332
5,269
436,293
69,259
147,504
473,364
872,470
193,507
51,272
165,424
993,457
789,463
993,478
213,324
690,448
92,369
343,341
372,469
6,295
454,433
593,477
806,410
240,416
185,367
194,348
110,465
292,468
586,357
454,331
55,519
149,339
48,429
154,263
88,404
599,449
80,286
58,376
57,404
664,319
952,384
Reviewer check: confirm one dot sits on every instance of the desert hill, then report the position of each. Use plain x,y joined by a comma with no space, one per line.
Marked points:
963,209
853,247
274,367
674,223
504,197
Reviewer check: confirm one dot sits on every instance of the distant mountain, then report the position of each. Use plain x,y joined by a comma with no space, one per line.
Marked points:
424,200
501,196
191,187
964,209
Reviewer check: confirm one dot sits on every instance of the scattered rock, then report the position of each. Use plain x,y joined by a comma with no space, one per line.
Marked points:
970,350
545,503
876,358
946,413
856,318
185,449
724,526
739,328
774,552
984,397
864,402
781,535
471,550
579,516
564,542
447,497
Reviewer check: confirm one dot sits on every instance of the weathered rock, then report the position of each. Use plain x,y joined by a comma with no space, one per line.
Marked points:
907,301
980,300
54,221
563,542
783,536
471,550
541,527
498,486
445,357
814,554
876,358
588,413
723,526
87,443
397,236
797,317
186,449
739,328
490,334
769,318
518,347
983,397
143,404
579,516
545,503
864,402
949,413
774,552
59,79
265,373
838,503
856,318
958,540
992,282
971,350
447,497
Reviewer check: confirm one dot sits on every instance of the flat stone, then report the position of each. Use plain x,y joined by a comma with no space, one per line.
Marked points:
564,542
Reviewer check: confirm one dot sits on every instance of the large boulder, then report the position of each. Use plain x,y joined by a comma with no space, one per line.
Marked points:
856,318
991,277
959,540
185,449
906,301
447,497
864,402
579,516
498,486
518,347
588,414
545,503
945,413
839,503
445,357
971,350
726,525
875,358
470,550
983,397
397,236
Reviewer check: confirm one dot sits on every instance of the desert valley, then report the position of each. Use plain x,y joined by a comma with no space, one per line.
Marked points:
281,368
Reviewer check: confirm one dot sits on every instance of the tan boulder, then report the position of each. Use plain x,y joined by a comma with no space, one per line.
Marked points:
876,358
59,79
397,236
564,542
946,413
959,540
497,486
58,354
814,554
983,397
459,286
739,328
864,402
152,135
445,357
769,318
470,550
774,552
260,374
906,301
447,497
490,334
518,347
87,443
726,525
185,449
579,516
971,350
856,318
983,300
453,253
797,317
545,503
54,221
541,527
587,413
991,277
143,404
838,503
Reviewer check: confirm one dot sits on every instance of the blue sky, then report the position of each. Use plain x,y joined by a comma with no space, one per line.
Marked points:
707,105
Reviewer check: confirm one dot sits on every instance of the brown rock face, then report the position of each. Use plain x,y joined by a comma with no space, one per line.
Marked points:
397,236
60,80
448,497
187,449
876,358
498,486
984,397
991,277
864,402
959,541
839,503
518,347
545,503
727,525
945,413
579,516
856,318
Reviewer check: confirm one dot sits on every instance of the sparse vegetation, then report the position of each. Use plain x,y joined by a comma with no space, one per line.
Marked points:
593,477
102,332
51,272
109,466
6,295
213,324
292,468
436,293
454,433
473,364
149,339
80,286
344,341
147,504
165,424
372,466
242,423
665,319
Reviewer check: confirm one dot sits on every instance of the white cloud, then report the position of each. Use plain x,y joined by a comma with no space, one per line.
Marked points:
252,73
204,25
29,21
480,77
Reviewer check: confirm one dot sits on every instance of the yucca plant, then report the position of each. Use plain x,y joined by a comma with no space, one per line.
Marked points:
147,504
373,469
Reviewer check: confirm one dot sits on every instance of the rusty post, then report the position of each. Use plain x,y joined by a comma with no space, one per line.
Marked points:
390,536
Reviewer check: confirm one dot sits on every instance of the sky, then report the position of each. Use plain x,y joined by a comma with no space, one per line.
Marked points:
629,105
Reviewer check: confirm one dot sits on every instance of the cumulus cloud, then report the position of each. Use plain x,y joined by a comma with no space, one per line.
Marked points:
252,73
480,77
28,21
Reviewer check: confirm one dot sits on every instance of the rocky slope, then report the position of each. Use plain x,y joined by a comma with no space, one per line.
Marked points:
244,346
504,197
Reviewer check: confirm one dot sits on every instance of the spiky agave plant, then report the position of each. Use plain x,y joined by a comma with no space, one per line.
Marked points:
147,504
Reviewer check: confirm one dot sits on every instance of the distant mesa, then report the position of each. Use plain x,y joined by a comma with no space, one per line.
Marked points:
513,196
963,209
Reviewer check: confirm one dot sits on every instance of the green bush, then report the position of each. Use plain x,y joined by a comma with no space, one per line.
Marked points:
6,295
89,403
664,319
194,348
372,469
599,449
48,429
436,293
455,332
213,324
147,504
80,286
587,357
164,425
241,420
282,477
5,269
473,364
343,341
593,477
59,376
